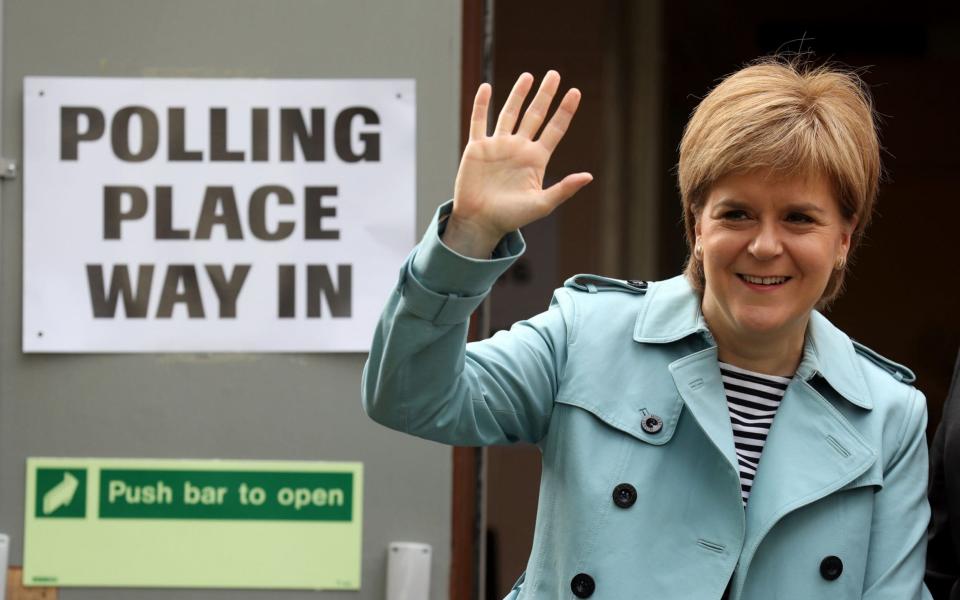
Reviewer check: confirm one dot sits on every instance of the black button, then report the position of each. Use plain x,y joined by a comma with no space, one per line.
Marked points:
582,585
624,495
652,424
831,567
642,285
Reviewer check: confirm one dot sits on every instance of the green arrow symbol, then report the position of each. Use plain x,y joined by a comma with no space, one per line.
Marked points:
60,495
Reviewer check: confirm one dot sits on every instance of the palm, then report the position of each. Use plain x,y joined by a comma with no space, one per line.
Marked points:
499,184
501,180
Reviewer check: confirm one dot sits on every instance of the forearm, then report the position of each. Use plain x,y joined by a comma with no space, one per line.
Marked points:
422,378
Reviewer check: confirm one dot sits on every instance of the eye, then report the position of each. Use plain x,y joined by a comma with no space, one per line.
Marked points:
734,215
799,217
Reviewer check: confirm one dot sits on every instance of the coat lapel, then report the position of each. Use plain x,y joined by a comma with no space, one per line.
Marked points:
811,452
671,314
697,378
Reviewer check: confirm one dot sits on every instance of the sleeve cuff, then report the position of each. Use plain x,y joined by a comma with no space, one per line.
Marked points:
444,287
445,271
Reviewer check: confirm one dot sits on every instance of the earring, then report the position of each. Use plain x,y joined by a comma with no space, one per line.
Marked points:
698,250
841,263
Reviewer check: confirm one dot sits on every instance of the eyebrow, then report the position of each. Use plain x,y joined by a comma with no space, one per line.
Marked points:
799,206
805,207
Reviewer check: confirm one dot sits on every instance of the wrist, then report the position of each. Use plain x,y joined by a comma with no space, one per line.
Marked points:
470,239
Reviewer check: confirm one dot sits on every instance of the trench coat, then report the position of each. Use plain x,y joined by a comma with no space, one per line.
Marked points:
618,385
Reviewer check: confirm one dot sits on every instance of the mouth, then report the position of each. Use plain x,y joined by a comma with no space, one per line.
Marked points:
768,282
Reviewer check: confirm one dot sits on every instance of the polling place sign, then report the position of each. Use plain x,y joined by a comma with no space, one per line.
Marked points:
180,523
213,215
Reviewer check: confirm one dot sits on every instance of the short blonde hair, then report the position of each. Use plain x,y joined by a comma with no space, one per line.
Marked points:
793,119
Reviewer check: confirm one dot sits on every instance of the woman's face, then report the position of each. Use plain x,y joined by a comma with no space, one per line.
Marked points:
769,246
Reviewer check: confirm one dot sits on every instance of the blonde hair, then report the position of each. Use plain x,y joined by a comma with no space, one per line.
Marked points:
792,119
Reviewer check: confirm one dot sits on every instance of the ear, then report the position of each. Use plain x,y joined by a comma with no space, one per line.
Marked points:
847,234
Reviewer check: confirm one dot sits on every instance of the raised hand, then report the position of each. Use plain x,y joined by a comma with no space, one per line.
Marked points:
499,184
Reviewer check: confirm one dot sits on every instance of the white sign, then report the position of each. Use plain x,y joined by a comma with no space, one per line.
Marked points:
225,215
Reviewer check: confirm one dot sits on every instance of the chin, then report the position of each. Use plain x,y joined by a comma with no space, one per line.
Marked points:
759,321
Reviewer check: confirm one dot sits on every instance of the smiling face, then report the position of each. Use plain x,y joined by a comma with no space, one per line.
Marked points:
769,245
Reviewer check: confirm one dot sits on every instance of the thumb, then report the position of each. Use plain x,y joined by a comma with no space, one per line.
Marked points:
561,191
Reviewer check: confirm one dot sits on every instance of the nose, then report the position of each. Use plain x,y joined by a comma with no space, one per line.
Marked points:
767,243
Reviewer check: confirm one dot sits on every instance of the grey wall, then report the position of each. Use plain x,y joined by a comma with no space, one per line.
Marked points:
226,406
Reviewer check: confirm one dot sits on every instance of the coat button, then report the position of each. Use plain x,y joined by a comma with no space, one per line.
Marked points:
582,585
624,495
831,567
652,424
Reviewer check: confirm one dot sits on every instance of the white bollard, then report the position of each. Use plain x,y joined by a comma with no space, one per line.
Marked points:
4,562
408,571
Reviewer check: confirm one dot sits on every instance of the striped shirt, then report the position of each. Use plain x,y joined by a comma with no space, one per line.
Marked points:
752,399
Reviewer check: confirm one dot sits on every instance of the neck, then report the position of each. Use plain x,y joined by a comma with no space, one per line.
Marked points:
776,353
774,358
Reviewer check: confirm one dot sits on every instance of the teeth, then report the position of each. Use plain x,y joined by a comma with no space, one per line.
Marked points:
764,280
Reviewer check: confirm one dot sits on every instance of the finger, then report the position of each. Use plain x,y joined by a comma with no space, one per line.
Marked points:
535,113
481,104
560,121
561,191
511,108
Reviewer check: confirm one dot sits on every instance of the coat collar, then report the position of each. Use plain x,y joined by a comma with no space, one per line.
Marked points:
671,312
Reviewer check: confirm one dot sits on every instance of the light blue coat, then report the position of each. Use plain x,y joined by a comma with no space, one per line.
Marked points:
843,473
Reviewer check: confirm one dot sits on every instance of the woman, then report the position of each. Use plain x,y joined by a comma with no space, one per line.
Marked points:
653,402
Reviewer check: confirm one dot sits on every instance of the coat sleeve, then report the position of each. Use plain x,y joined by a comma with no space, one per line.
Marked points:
895,562
423,378
943,567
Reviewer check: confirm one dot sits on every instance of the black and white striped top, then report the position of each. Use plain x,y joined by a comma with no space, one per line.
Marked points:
752,399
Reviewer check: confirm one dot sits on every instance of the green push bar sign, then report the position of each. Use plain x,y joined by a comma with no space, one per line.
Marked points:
163,523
